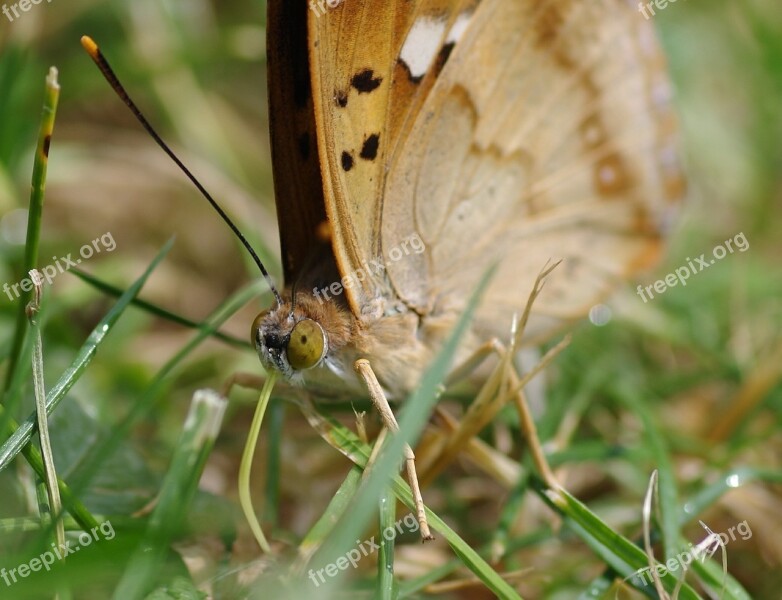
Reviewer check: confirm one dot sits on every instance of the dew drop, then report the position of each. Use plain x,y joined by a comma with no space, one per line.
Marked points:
600,315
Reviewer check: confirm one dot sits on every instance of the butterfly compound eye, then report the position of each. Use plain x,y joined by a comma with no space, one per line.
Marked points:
307,345
255,327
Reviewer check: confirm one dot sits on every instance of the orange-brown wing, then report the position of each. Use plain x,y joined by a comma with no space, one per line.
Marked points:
547,135
373,63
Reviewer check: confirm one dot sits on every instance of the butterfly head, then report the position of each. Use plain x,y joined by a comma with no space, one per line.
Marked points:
288,340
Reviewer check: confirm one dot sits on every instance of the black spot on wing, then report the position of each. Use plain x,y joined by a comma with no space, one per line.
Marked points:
413,78
365,81
347,161
369,149
341,99
442,56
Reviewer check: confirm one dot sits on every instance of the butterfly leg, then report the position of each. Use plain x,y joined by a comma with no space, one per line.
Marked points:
502,384
364,370
243,380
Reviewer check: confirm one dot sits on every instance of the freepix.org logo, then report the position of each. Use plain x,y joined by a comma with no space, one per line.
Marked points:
363,549
319,7
412,243
45,560
23,6
49,272
682,274
701,551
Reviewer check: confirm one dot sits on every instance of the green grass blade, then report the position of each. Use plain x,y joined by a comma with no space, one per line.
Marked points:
348,443
167,520
667,495
22,434
52,489
157,311
35,211
385,586
325,524
729,481
617,551
723,585
245,467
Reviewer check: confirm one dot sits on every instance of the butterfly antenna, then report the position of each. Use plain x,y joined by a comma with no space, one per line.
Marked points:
97,56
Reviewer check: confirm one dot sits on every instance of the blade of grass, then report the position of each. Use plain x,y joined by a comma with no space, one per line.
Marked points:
729,481
273,463
52,490
166,522
723,585
35,211
325,524
344,440
158,311
33,457
22,433
617,551
385,586
668,495
245,467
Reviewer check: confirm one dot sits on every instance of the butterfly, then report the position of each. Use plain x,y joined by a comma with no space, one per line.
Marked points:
507,131
501,130
417,142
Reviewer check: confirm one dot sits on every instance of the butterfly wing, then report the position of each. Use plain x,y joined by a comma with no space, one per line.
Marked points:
547,135
363,101
297,181
509,131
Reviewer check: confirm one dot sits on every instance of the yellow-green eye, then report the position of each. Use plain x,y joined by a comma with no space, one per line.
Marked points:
307,345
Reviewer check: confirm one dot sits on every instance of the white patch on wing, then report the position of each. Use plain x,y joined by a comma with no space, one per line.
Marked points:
422,44
459,27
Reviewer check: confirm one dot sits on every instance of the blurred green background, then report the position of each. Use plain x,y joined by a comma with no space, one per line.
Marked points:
707,357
